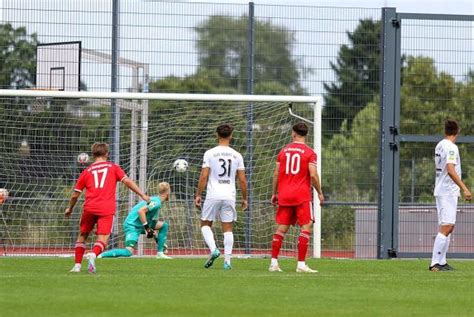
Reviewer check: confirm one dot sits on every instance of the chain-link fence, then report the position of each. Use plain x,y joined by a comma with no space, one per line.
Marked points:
153,46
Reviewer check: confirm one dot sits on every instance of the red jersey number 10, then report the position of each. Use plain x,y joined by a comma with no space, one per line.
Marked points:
293,163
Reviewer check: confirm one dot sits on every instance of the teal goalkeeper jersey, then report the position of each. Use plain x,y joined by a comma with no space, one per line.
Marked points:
151,216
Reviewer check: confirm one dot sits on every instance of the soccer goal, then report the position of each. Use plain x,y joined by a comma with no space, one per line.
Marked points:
41,145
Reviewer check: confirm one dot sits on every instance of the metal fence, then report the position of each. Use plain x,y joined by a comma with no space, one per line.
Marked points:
428,77
269,49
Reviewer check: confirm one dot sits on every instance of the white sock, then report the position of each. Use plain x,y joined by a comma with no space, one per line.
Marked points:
79,265
301,264
274,262
438,248
209,237
445,251
228,244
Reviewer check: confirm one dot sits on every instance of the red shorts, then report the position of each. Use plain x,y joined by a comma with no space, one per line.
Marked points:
104,223
288,215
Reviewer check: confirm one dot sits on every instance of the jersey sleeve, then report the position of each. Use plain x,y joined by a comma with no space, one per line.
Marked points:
119,173
313,159
240,165
81,182
279,156
453,154
206,160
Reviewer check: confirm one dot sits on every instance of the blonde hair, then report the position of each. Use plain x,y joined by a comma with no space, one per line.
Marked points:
163,188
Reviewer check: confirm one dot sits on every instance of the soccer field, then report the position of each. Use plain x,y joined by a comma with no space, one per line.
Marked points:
182,287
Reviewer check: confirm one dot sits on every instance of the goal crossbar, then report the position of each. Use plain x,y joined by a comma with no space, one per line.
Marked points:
157,96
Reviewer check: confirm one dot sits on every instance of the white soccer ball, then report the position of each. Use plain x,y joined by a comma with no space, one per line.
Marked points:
3,195
83,158
180,165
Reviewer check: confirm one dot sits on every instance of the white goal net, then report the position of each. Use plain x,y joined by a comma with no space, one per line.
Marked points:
42,138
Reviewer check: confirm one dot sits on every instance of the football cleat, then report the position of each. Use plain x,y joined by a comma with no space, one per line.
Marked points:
437,268
76,268
161,255
305,269
274,268
91,262
214,255
227,266
447,267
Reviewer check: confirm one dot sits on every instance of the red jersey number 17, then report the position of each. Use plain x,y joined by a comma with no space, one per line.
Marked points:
99,177
293,163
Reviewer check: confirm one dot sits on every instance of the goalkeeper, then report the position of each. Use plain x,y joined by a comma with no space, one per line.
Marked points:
143,219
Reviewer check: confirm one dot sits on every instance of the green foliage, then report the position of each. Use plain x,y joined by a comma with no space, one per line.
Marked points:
350,159
204,81
222,47
357,73
337,228
271,88
428,97
17,57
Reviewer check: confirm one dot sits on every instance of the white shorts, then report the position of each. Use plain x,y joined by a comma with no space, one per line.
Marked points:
223,209
447,207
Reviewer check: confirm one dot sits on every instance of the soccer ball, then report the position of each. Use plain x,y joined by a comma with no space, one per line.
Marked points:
3,195
180,165
83,158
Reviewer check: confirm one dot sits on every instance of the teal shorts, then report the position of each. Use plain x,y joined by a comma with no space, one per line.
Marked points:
132,234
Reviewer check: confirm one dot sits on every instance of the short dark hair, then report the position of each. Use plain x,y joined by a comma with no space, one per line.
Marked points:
451,127
224,130
301,128
99,149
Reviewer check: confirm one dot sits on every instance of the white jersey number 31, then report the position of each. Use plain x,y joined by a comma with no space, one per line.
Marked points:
226,167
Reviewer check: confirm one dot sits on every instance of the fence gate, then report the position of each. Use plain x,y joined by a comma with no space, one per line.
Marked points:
427,77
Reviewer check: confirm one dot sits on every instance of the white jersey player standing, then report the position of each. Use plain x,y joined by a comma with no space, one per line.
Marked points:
221,164
447,191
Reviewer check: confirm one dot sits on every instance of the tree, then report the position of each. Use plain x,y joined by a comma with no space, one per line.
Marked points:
204,81
17,57
428,97
351,158
357,73
222,46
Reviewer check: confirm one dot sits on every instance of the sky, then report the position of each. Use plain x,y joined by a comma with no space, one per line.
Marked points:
169,49
412,6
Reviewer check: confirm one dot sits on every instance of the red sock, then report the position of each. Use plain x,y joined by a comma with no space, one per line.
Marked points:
99,246
79,250
303,241
276,244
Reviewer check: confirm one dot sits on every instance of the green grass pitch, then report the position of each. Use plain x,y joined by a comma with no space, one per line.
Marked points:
182,287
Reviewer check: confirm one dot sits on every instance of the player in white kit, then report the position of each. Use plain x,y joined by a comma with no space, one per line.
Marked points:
221,164
447,191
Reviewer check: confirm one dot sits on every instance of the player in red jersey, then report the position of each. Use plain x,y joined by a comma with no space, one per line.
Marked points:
100,181
294,174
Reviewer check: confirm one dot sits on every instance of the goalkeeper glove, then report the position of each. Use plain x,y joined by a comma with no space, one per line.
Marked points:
150,233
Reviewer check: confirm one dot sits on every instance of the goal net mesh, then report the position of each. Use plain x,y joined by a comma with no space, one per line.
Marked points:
42,138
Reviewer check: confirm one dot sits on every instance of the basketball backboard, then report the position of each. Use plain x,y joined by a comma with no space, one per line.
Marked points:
58,66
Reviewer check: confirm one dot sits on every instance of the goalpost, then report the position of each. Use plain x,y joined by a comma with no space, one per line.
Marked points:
38,162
